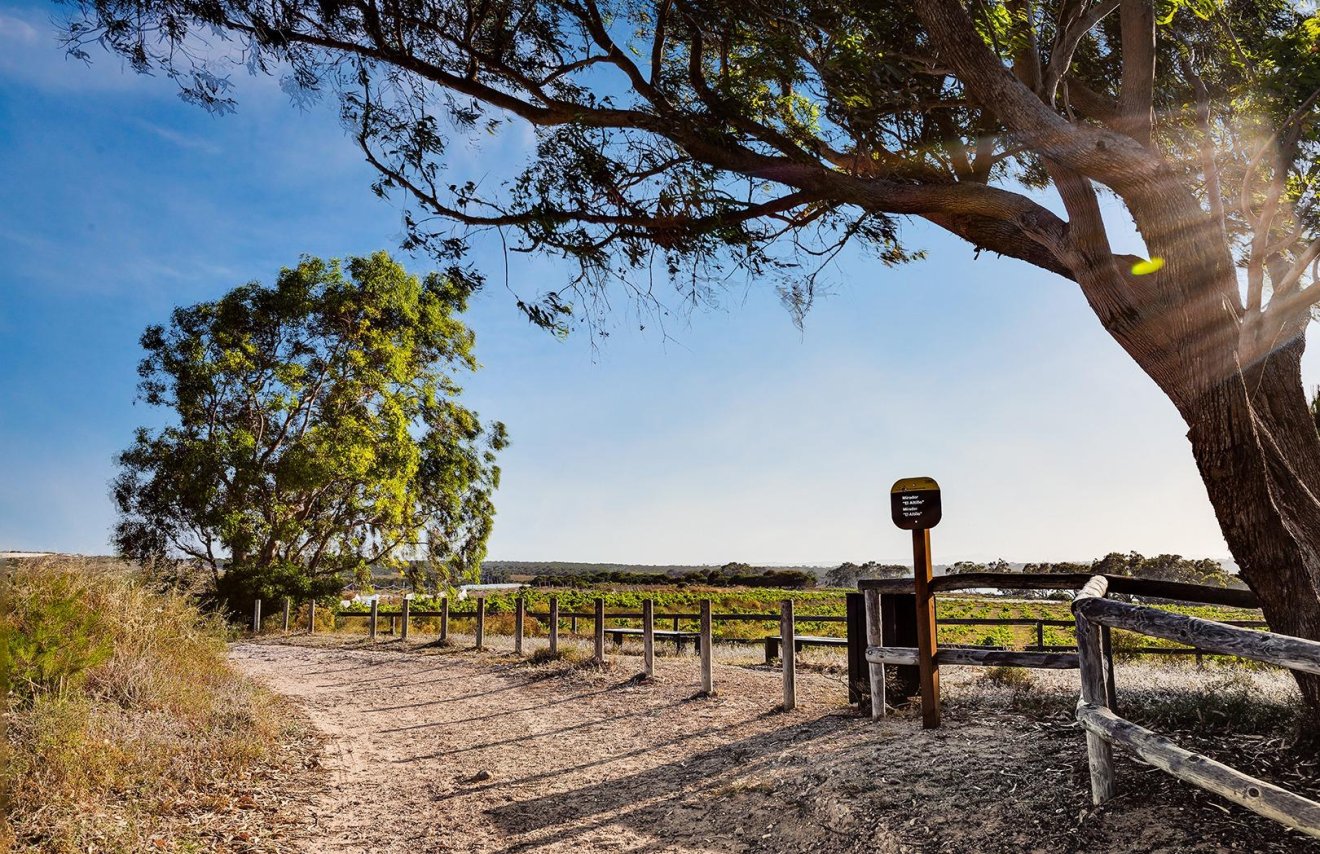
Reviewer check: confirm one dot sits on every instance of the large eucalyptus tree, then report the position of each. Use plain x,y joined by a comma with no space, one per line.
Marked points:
699,136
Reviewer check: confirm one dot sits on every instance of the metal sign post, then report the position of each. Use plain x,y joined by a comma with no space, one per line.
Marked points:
914,504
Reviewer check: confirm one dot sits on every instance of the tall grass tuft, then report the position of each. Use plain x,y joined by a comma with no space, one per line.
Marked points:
121,716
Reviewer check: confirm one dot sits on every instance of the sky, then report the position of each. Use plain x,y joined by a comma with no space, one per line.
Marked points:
726,435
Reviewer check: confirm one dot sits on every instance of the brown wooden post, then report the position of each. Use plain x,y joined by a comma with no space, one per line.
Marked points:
600,630
927,647
875,637
288,606
519,615
481,622
788,634
572,625
554,625
406,603
676,624
256,616
1099,752
444,619
1040,636
855,620
311,618
374,608
707,648
1111,689
648,637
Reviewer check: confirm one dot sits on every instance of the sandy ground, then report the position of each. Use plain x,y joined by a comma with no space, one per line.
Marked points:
450,750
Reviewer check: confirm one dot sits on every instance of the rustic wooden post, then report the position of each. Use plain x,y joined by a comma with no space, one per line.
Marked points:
675,623
855,620
1091,663
1111,689
927,647
406,602
288,606
572,625
648,637
519,615
788,633
481,622
374,607
256,616
1040,636
600,630
311,618
554,625
875,637
707,647
444,619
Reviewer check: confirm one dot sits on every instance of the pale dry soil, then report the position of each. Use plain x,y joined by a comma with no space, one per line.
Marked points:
444,749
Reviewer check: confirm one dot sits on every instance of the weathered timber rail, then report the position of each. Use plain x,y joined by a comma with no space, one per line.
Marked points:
1104,728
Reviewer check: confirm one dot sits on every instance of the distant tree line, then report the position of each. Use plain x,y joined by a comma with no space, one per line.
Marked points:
1165,567
728,575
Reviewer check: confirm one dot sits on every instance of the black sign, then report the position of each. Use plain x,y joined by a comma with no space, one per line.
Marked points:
914,503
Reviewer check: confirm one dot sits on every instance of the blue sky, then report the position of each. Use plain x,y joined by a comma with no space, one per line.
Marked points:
732,436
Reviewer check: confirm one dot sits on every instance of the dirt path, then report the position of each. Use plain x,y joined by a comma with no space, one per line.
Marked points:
451,751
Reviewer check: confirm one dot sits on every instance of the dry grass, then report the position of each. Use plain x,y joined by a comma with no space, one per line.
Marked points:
124,728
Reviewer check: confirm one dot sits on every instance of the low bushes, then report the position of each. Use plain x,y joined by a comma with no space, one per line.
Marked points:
121,719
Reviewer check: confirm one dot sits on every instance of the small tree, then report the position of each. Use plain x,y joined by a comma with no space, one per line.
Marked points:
317,433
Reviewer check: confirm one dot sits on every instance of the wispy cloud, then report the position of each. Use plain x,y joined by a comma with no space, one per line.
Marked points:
185,141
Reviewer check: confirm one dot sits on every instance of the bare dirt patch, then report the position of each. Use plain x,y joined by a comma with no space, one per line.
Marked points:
449,750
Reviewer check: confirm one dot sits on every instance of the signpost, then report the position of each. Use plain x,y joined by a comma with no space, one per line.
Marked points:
914,504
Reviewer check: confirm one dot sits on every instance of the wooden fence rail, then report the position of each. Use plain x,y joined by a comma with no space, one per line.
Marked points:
1104,728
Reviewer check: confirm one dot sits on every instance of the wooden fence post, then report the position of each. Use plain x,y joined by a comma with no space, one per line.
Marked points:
519,615
1099,752
554,625
1040,636
788,656
375,604
288,605
676,624
875,637
927,647
572,625
406,603
444,619
1107,650
256,616
648,637
311,618
855,620
706,644
481,622
600,630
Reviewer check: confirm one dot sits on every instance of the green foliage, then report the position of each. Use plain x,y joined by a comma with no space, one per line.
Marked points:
318,431
49,637
729,575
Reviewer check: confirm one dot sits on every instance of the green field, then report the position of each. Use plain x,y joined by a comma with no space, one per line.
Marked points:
808,603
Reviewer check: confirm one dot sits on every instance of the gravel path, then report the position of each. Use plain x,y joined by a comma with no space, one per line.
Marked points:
448,750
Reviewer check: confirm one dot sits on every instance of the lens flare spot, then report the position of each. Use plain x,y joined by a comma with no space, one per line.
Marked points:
1145,268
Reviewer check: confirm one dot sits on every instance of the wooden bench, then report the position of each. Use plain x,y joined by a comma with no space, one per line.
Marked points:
772,644
680,639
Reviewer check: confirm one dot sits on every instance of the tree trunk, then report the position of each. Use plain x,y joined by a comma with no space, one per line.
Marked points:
1255,442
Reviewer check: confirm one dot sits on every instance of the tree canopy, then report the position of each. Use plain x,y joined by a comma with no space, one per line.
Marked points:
316,431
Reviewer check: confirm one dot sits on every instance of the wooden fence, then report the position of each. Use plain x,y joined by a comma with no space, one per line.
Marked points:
895,611
1095,614
788,640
